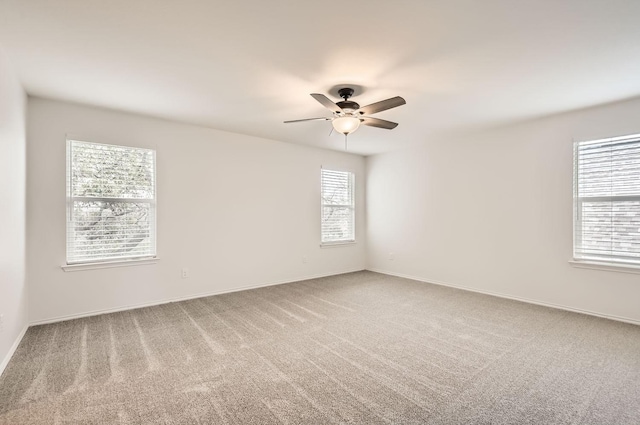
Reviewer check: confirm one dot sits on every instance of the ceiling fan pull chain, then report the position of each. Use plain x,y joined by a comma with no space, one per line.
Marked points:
345,142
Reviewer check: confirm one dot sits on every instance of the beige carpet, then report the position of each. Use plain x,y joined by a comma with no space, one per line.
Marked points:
357,348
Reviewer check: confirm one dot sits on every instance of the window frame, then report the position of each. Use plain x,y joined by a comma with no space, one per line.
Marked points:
597,261
352,207
108,262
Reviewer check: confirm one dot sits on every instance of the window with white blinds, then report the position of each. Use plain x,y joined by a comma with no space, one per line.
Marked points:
111,202
338,206
607,200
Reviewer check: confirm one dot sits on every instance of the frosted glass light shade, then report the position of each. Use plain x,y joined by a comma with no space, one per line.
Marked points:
346,125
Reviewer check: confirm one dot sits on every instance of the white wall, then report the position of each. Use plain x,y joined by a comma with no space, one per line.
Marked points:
236,210
493,213
13,293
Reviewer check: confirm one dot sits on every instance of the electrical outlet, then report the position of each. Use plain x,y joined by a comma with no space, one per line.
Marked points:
185,273
304,259
1,322
390,256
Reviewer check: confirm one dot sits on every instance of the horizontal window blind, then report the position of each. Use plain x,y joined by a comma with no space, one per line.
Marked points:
338,206
110,201
607,200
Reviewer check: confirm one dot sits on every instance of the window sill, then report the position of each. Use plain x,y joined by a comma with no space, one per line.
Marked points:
336,244
109,264
610,267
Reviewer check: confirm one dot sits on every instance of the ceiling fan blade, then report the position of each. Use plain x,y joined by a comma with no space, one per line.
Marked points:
377,122
326,102
383,105
309,119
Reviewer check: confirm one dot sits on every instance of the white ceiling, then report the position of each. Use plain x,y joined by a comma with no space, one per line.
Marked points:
246,66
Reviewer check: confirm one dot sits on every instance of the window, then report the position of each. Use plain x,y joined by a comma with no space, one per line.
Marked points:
607,200
110,202
338,207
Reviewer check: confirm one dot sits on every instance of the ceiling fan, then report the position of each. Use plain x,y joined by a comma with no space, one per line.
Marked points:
348,115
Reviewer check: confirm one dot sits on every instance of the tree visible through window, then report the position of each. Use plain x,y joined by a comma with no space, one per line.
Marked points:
338,206
607,200
110,202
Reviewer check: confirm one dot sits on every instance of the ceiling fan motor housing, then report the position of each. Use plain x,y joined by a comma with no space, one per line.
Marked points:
348,105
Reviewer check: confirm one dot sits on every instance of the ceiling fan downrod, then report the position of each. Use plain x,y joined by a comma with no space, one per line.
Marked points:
347,105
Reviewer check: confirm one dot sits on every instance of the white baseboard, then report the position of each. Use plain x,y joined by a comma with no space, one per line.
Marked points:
511,297
13,349
188,297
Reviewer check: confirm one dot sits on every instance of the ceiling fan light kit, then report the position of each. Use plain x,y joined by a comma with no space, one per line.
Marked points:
346,124
348,115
